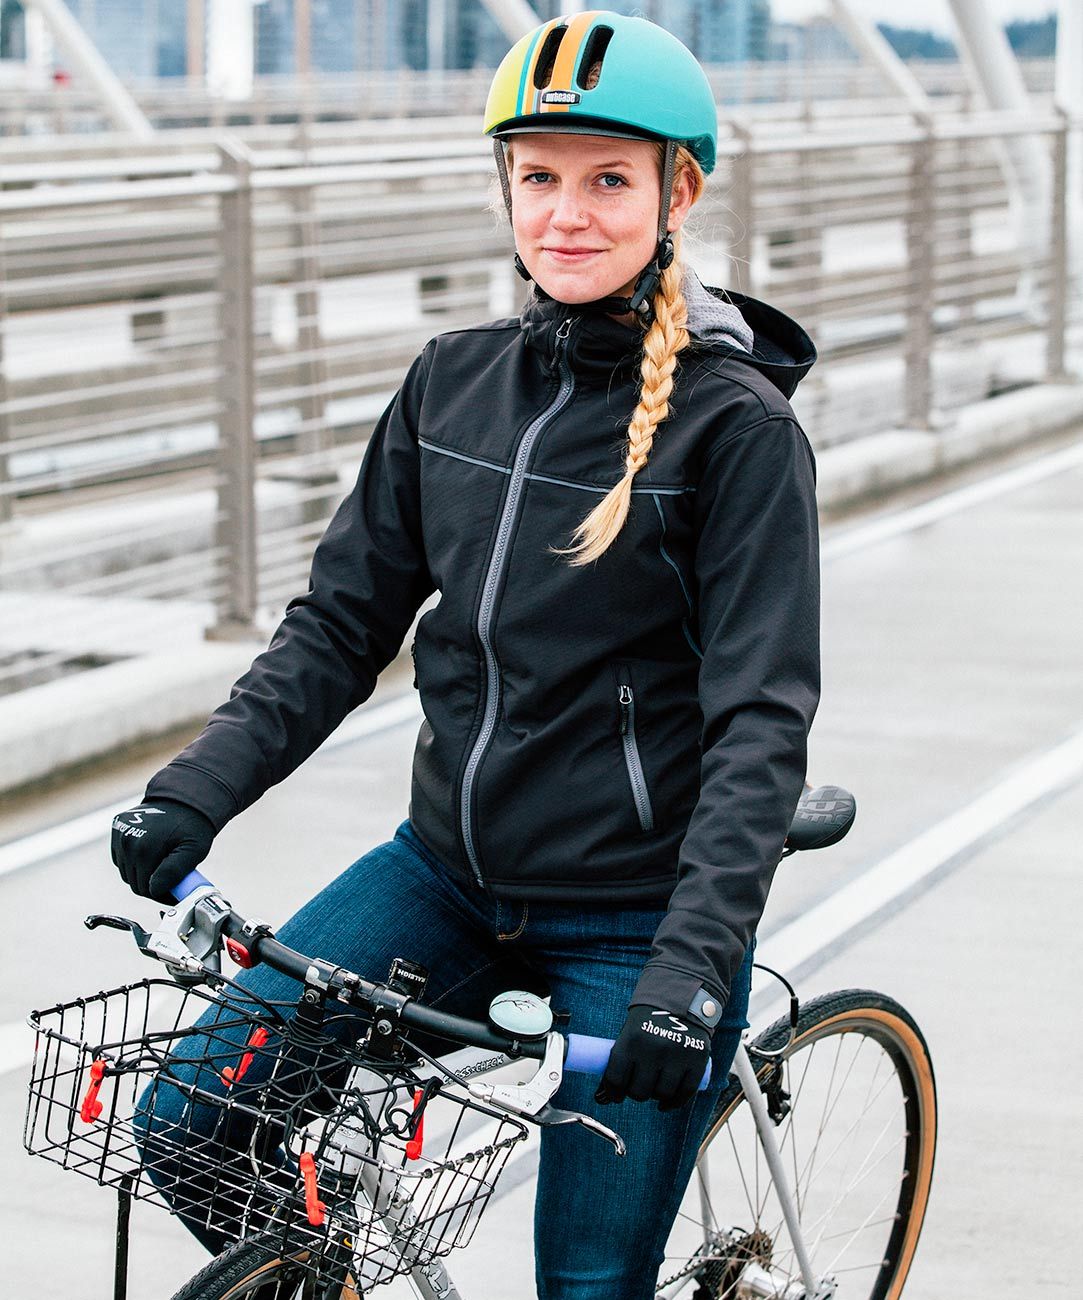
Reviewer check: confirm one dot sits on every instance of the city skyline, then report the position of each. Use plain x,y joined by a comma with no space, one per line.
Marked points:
143,39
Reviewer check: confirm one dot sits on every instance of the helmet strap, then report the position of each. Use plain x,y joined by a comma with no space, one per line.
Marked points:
502,172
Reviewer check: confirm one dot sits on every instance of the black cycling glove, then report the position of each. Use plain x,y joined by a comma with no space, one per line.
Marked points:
658,1057
157,844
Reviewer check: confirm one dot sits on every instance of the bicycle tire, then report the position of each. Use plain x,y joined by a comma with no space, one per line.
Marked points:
249,1271
872,1047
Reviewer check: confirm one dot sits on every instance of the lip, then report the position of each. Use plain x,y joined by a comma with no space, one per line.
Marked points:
572,254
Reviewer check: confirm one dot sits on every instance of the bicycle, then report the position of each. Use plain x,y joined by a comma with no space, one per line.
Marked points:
368,1158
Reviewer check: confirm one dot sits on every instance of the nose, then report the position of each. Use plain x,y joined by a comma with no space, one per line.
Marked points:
568,211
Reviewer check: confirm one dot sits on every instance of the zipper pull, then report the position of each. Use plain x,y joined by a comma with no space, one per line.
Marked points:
625,698
561,342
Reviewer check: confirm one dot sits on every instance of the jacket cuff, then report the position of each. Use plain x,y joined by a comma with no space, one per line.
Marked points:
198,789
680,993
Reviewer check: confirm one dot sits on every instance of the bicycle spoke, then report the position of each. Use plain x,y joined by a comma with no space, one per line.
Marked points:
858,1181
869,1220
856,1121
827,1111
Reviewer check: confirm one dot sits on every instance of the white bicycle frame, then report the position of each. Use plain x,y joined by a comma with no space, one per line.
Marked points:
432,1281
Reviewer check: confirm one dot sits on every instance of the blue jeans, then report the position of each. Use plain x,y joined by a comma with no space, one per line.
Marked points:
600,1222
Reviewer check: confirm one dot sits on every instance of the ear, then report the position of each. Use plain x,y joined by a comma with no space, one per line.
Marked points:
681,202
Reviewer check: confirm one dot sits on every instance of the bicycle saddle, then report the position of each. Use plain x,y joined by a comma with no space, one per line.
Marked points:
823,817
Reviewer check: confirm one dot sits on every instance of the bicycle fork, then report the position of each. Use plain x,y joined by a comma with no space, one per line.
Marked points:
430,1281
756,1281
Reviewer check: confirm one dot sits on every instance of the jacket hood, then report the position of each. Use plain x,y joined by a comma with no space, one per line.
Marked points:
729,325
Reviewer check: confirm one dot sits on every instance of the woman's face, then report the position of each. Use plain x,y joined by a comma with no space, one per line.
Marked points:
584,211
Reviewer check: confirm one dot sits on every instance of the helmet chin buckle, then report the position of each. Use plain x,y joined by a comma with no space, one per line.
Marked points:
642,300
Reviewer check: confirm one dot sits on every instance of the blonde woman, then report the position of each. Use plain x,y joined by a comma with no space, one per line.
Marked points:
615,503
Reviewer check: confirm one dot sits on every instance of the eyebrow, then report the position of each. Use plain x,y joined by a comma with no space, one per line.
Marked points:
538,165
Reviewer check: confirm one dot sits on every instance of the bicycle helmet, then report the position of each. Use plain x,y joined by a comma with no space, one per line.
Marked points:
599,73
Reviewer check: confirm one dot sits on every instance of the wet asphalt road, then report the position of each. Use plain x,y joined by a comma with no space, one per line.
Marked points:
951,653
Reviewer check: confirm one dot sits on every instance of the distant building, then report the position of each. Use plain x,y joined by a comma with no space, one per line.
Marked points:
138,38
352,35
148,38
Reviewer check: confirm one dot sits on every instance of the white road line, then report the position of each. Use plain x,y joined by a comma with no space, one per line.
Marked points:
877,891
796,945
885,527
74,834
40,845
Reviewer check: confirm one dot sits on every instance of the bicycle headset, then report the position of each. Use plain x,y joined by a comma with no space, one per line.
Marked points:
599,73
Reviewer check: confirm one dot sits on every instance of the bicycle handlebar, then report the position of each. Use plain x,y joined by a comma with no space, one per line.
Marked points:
584,1054
191,881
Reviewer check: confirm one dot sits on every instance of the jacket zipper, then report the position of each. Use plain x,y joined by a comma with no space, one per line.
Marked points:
488,593
626,700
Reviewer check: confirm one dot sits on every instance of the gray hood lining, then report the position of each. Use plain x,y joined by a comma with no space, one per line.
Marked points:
710,319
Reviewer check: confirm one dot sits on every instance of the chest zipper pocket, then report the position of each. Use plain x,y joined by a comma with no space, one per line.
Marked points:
638,782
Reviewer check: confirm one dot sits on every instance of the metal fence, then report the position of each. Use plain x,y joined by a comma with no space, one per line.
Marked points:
193,349
815,86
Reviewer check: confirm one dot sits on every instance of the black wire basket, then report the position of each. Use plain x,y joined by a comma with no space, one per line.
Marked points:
257,1124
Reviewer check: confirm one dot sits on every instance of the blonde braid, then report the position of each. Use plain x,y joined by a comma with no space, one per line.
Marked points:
662,343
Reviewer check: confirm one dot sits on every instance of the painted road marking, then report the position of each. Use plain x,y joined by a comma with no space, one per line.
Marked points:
885,527
814,935
31,849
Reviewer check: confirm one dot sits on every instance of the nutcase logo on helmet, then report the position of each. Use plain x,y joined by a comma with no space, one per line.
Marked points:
561,97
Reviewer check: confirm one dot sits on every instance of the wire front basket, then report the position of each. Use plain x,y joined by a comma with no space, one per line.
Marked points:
257,1124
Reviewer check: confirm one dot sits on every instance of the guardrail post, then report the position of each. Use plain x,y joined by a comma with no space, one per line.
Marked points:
6,502
1059,269
742,200
920,247
312,372
237,522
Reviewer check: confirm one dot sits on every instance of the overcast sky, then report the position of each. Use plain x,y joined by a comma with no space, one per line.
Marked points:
935,14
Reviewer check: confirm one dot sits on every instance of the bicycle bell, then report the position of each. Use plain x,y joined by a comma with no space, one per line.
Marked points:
523,1015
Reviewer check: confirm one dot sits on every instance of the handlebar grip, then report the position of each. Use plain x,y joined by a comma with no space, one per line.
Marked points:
588,1055
191,881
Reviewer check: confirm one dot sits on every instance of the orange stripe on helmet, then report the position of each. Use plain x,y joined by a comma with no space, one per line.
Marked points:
568,57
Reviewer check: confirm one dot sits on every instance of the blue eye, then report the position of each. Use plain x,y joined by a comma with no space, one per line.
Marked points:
533,176
611,176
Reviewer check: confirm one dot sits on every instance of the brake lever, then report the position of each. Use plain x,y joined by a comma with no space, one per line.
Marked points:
553,1115
532,1098
188,939
141,937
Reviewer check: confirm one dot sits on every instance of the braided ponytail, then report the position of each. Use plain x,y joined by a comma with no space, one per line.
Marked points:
666,338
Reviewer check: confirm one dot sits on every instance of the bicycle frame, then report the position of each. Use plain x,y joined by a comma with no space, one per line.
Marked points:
433,1282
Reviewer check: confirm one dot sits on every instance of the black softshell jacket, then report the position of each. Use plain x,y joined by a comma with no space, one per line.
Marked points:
629,732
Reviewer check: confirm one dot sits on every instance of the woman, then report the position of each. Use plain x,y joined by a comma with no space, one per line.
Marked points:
616,505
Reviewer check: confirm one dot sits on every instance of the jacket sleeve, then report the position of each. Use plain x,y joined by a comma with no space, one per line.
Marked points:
757,560
369,577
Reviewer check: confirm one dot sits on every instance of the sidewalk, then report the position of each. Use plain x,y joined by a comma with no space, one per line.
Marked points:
173,677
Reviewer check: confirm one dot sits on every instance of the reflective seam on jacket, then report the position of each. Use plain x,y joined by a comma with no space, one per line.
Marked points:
488,596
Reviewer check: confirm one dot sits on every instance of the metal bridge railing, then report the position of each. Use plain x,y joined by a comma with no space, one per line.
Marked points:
193,349
814,85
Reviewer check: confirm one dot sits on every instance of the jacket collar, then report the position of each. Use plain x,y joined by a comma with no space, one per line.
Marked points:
596,344
725,325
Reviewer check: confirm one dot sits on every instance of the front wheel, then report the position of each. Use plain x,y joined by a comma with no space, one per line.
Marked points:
248,1271
857,1140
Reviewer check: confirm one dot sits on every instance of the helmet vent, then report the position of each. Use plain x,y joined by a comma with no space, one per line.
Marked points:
590,66
547,57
